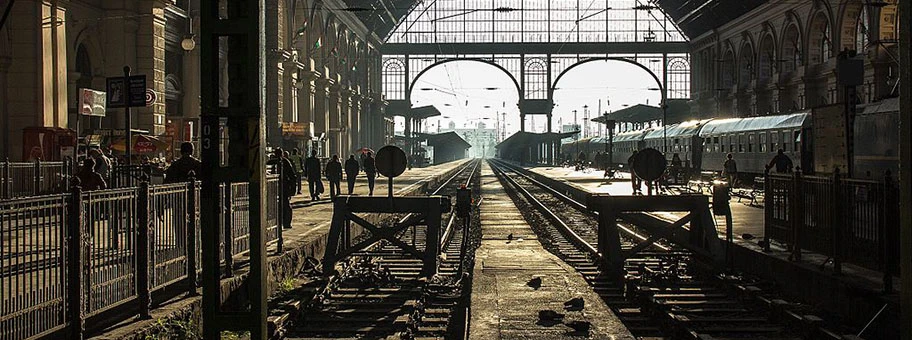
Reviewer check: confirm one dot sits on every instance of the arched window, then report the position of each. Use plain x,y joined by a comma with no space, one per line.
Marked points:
745,65
84,67
820,47
765,59
861,30
394,78
728,70
536,79
678,78
791,49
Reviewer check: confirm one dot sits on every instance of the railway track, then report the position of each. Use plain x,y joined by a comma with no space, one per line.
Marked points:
667,292
380,292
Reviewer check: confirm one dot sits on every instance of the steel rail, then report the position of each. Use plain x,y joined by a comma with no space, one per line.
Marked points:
576,204
563,227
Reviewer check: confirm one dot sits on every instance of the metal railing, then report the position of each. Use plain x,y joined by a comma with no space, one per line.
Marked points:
848,220
84,257
22,179
125,176
236,215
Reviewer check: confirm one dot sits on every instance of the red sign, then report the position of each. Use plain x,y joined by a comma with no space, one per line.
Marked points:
144,146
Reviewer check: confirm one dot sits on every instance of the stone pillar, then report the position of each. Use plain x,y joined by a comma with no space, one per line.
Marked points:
335,120
150,61
321,110
357,129
369,126
346,130
37,64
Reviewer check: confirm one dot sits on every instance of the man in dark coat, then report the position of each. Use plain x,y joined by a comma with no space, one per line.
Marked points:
313,172
90,180
634,181
334,176
288,178
180,170
370,169
781,161
352,167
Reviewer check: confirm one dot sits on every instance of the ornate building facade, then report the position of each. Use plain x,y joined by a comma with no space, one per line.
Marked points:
325,70
781,57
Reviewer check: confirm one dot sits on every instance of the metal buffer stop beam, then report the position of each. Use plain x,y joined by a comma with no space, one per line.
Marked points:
424,209
700,238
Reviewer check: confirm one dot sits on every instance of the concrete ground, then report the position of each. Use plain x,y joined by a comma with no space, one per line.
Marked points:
504,303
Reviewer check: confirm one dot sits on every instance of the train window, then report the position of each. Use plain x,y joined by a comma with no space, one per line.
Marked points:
763,143
750,143
797,140
740,143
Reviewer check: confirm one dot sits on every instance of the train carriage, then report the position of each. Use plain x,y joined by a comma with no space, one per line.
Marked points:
754,141
682,139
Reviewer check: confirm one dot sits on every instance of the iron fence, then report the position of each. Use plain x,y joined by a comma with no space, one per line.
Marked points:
22,179
72,257
33,269
236,219
849,220
123,176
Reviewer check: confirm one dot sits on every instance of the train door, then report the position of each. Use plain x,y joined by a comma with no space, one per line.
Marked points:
696,154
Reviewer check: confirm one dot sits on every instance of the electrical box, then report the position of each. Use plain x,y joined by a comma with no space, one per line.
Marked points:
463,202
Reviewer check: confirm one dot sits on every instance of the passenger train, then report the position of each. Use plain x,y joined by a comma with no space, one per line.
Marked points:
702,145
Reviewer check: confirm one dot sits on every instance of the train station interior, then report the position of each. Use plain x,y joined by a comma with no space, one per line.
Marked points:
455,169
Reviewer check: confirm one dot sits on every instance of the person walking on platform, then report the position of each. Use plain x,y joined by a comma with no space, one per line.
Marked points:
352,167
370,169
287,181
334,176
103,164
313,172
90,180
297,160
730,170
781,161
180,170
634,181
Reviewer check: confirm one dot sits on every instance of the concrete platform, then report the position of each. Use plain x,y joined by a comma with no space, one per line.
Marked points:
856,294
504,305
306,238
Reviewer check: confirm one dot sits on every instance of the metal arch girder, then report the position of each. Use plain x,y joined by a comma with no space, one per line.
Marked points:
539,48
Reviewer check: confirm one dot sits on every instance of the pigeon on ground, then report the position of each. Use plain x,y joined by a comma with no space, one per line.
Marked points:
581,327
575,304
510,237
535,283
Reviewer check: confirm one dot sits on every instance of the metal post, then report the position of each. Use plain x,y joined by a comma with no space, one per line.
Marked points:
36,177
769,200
888,226
5,172
432,246
228,219
280,218
838,222
75,262
242,24
796,217
143,244
905,166
193,214
128,122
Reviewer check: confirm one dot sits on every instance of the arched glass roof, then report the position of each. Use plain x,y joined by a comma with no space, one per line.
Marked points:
535,21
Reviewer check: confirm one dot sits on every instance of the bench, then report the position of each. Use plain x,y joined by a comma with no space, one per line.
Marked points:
753,193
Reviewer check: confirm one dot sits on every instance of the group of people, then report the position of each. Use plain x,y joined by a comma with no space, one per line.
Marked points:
95,172
312,170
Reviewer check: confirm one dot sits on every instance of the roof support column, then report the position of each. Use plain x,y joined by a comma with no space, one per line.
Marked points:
905,170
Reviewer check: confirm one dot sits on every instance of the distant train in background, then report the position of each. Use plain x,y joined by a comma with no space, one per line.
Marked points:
753,141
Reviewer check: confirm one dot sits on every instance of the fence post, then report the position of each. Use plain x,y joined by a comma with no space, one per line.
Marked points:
796,215
280,219
769,200
36,190
75,262
890,228
193,214
229,239
5,193
142,251
838,222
